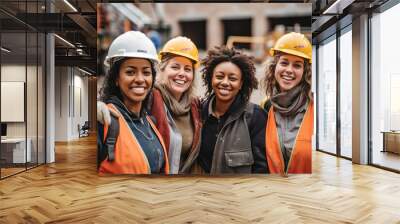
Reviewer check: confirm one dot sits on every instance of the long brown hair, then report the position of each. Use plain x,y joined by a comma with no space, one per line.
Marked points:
270,82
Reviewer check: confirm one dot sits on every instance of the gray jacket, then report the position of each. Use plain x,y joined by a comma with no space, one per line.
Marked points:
235,149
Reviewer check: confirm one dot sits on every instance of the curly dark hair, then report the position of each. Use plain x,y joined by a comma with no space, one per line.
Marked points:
243,61
110,88
270,82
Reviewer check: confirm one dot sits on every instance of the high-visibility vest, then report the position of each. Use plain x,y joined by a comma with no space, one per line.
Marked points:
129,157
301,157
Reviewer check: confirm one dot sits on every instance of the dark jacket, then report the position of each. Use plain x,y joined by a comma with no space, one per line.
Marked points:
237,145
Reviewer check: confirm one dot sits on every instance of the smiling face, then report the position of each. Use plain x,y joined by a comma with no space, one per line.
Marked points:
289,71
178,75
226,81
134,80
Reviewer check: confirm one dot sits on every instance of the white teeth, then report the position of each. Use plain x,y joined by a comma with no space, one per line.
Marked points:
224,91
180,82
287,78
138,90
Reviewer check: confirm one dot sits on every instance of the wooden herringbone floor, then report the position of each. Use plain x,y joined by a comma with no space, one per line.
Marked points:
70,191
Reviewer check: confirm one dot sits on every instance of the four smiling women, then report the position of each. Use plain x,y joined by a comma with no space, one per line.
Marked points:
167,129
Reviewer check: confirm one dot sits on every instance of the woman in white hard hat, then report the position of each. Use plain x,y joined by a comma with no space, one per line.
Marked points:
130,143
173,104
289,127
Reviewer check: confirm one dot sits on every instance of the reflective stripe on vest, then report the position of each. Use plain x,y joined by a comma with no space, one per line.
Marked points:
300,158
129,155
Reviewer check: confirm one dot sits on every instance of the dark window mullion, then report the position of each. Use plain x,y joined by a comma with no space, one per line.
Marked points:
369,100
317,100
37,91
47,6
338,98
26,86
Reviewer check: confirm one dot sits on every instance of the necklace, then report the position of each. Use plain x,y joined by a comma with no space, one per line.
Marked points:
150,135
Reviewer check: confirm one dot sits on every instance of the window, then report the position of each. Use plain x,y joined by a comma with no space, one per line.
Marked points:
327,96
196,31
346,93
385,89
22,74
237,27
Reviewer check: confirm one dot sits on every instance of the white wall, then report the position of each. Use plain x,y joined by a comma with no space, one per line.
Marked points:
71,94
61,103
13,73
33,126
79,117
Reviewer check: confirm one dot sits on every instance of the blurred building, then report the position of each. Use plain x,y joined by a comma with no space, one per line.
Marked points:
252,27
210,25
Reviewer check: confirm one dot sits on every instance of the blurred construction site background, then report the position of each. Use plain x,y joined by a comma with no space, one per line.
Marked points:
253,27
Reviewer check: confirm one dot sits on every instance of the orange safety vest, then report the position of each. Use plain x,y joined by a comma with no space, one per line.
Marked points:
129,155
300,159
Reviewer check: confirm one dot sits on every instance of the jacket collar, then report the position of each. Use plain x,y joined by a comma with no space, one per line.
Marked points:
124,110
234,111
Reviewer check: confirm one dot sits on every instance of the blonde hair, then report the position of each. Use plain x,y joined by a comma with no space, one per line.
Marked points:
163,64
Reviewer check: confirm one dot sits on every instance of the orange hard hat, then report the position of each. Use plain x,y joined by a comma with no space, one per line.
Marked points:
295,44
181,46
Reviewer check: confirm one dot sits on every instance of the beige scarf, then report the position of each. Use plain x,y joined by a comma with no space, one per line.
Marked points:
288,103
176,107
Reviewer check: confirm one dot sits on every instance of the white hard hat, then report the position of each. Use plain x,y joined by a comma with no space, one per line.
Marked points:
132,44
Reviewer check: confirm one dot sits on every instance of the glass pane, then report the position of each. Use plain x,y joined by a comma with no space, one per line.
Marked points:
327,96
41,99
314,89
385,86
346,94
13,86
31,97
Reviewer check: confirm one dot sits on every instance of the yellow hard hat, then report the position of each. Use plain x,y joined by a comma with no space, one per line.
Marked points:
295,44
181,46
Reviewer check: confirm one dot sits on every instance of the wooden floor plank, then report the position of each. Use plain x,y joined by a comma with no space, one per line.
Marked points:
70,191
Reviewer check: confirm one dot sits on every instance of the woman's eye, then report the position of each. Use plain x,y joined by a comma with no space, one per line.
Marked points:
147,73
298,66
130,72
188,70
232,79
284,63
